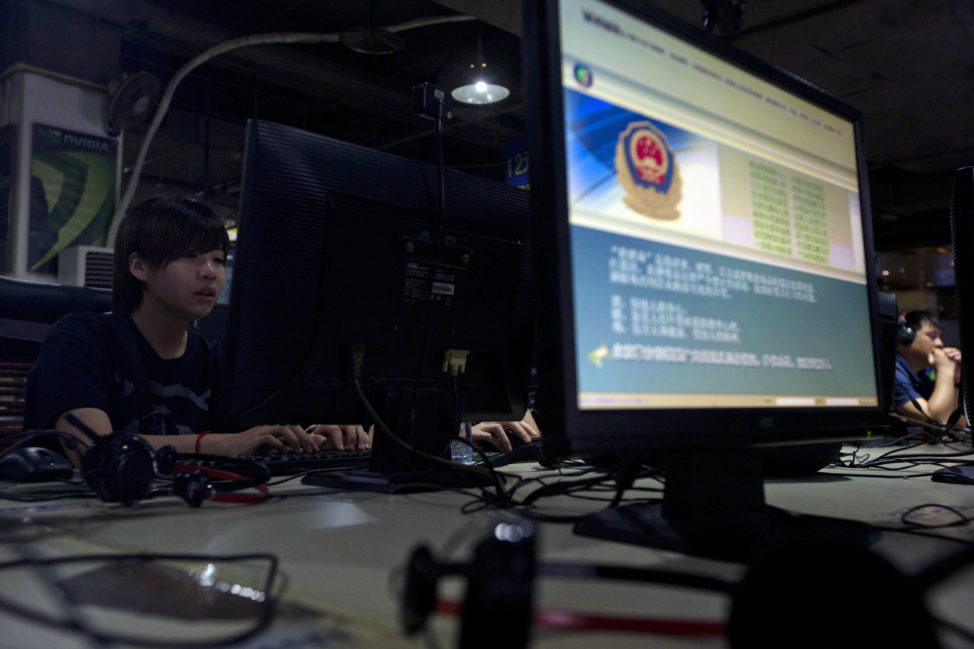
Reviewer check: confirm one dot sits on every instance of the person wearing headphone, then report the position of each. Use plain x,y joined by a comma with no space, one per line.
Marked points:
928,374
141,369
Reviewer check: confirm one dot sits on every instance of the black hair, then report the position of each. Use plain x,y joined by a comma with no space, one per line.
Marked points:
159,230
914,319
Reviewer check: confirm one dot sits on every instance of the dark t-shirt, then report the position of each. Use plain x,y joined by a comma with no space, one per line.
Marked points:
88,361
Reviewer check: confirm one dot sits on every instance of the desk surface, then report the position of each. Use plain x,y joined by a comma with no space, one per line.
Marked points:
341,557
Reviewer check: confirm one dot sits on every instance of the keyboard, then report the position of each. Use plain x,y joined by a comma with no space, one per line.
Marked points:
293,463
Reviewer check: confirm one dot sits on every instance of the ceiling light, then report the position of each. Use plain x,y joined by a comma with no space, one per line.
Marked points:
472,79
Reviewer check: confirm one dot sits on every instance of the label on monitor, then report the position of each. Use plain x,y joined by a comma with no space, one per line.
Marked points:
424,283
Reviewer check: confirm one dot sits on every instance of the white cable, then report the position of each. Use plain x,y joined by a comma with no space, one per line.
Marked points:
223,48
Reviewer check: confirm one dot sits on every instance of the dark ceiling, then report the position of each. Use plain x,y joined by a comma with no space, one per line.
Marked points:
906,64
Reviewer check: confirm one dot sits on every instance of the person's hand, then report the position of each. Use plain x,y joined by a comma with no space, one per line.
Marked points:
273,438
953,354
494,433
947,359
341,437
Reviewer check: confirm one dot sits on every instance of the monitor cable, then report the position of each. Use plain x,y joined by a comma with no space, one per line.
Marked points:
218,50
501,496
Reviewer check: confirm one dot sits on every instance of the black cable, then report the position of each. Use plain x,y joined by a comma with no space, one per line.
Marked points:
937,458
75,626
381,426
627,573
896,476
254,472
920,531
960,522
944,429
34,498
558,488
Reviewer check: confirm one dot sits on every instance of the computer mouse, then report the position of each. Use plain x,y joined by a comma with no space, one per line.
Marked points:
514,439
34,464
960,474
524,451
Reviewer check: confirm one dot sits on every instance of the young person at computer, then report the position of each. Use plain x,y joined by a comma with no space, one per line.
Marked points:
140,369
927,375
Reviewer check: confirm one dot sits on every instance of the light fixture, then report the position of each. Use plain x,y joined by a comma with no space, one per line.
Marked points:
472,79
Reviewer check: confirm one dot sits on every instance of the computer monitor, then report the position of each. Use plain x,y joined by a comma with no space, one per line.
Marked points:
346,271
704,248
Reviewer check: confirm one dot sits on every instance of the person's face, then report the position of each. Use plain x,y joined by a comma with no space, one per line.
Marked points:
927,339
187,286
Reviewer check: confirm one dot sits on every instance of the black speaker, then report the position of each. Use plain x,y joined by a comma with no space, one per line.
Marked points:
798,597
889,334
962,233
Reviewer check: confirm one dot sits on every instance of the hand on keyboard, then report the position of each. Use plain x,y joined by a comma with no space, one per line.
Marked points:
340,437
277,438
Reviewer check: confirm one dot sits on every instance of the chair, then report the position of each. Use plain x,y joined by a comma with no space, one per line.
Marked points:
13,382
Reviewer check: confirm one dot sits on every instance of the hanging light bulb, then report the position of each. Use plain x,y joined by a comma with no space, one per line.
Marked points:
471,79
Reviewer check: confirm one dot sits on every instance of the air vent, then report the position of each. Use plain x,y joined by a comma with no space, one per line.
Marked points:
89,266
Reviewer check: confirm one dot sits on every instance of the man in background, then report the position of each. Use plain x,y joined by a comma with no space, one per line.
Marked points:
928,374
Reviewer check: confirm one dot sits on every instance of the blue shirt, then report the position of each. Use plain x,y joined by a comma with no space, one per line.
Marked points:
910,384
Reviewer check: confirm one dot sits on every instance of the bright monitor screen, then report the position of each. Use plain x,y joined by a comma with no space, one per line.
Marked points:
716,221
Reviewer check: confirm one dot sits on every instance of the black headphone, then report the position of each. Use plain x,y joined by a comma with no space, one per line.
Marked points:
904,334
121,467
497,606
799,593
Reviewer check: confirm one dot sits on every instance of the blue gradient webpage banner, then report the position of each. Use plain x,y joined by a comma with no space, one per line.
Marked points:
651,316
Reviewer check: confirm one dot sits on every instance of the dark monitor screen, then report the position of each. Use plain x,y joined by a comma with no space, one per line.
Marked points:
705,221
344,269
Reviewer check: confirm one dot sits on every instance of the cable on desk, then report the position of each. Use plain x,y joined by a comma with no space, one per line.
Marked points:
570,489
74,625
31,497
575,621
962,519
562,487
921,458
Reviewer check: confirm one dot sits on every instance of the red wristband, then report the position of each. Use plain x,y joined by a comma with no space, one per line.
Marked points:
199,438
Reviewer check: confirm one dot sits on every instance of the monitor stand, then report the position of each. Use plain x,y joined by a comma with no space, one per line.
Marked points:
713,506
421,417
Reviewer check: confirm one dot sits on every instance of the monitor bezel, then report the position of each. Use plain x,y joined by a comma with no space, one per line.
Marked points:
621,431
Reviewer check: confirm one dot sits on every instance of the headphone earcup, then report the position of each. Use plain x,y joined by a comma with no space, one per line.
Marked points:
904,335
119,467
804,595
498,605
193,486
419,596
